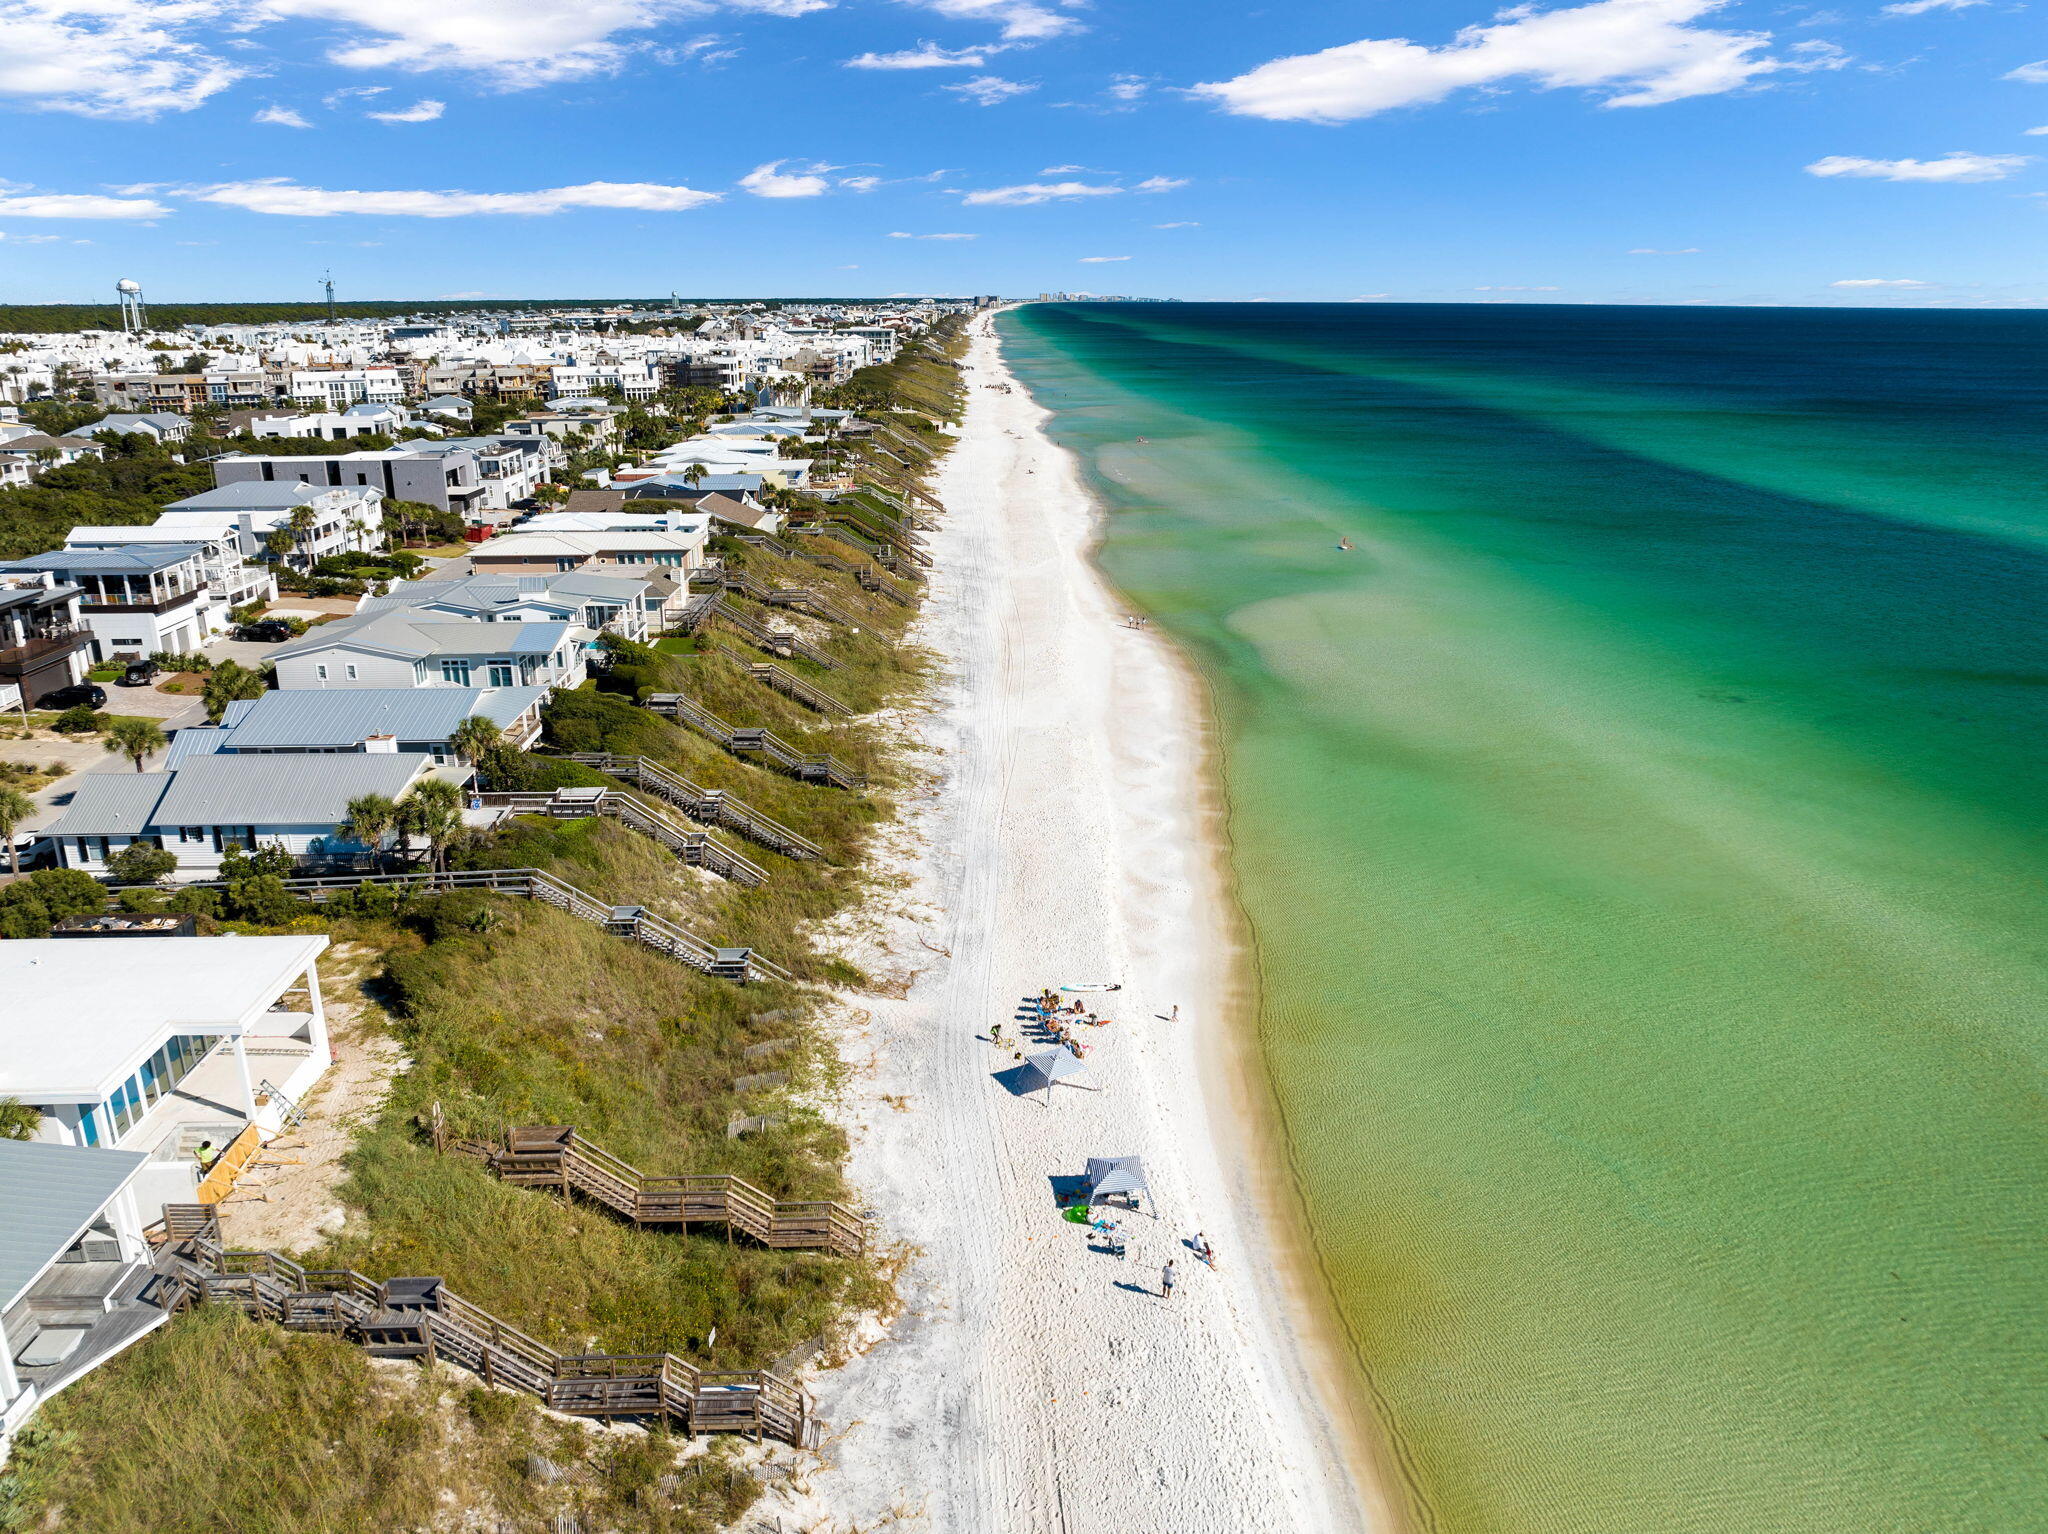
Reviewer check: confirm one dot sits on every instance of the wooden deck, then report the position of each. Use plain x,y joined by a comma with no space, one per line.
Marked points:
420,1318
555,1156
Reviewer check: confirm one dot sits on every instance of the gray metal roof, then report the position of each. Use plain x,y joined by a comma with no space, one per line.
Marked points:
400,631
51,1194
485,592
254,495
293,790
111,804
346,716
139,560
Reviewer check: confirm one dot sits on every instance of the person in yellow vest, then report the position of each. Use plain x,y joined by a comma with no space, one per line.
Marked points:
206,1156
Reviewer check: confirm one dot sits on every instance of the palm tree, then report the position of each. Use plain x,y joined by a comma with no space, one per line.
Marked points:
18,1121
15,807
230,683
301,524
478,741
135,739
371,818
694,475
433,811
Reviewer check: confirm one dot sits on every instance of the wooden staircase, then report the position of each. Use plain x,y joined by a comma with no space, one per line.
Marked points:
421,1318
788,683
555,1156
697,849
712,806
810,766
774,641
628,921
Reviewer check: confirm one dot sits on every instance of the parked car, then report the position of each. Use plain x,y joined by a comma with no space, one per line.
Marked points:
140,673
265,631
70,697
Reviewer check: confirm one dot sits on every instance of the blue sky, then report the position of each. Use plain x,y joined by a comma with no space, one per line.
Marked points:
1621,150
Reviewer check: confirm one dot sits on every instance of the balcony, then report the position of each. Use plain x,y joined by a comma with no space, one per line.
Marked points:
19,659
114,601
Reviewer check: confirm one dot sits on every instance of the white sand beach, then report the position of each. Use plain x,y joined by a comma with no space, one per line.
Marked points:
1033,1384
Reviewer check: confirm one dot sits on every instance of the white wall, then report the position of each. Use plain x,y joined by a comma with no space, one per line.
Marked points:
302,672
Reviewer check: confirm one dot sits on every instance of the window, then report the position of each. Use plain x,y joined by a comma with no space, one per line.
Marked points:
501,673
191,833
456,671
351,671
320,672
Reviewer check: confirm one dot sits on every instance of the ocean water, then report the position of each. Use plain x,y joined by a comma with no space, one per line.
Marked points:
1643,835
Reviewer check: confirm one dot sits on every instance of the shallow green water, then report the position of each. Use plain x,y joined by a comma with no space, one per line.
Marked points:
1642,833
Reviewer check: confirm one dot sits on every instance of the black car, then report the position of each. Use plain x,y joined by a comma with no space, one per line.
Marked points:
70,697
140,673
265,631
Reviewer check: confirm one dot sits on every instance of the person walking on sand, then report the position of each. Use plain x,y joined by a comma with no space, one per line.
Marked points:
1166,1280
1174,1015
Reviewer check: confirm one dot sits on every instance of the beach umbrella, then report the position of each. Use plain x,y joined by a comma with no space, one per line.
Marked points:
1054,1066
1109,1175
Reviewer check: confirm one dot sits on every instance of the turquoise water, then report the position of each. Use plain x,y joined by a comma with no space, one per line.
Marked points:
1642,835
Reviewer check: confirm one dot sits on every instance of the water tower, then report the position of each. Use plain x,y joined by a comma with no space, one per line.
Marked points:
134,318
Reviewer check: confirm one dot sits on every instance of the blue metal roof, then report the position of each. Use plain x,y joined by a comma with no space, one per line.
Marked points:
346,716
52,1193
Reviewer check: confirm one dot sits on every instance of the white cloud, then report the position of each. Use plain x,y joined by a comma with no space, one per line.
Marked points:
278,196
336,98
2035,73
1960,165
1514,288
419,112
925,56
1099,260
1021,20
770,180
2036,132
35,239
283,117
902,235
1640,52
1032,192
110,58
987,90
859,183
1922,7
512,43
19,204
1880,282
1127,87
1650,250
1179,223
1161,184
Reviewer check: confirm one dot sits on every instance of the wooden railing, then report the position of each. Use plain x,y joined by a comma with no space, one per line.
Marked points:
421,1318
698,849
811,766
775,641
788,683
554,1155
713,806
632,921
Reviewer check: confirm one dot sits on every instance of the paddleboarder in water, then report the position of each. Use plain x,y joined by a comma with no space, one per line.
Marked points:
1344,544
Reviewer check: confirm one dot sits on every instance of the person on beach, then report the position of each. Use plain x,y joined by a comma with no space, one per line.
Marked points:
1166,1280
1202,1249
1174,1015
996,1035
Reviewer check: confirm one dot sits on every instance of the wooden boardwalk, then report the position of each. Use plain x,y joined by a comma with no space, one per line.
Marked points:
697,849
628,921
555,1156
712,806
810,766
421,1318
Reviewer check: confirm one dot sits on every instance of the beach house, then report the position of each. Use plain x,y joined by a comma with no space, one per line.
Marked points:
341,519
417,719
43,641
624,603
400,647
203,803
138,599
155,1044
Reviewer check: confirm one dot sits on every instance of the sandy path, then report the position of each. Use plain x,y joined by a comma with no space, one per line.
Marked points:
1034,1384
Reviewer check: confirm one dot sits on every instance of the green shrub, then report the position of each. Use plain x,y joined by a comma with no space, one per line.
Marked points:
141,863
30,907
79,719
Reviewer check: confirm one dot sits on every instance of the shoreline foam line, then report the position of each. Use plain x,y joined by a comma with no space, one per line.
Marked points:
1031,1383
